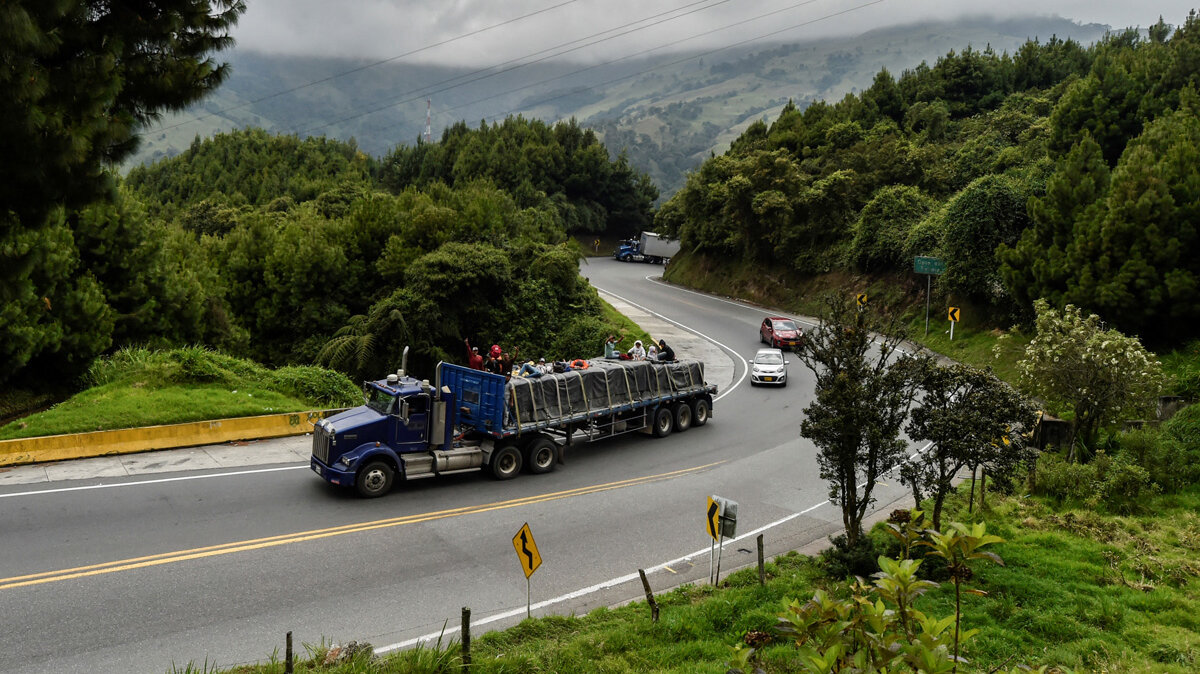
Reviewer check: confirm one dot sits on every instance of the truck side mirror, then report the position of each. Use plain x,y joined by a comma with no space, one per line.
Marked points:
402,409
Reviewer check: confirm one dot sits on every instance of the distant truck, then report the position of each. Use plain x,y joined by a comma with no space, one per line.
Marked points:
650,247
474,420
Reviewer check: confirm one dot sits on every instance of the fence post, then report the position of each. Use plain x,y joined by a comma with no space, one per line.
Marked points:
762,574
649,596
287,655
466,638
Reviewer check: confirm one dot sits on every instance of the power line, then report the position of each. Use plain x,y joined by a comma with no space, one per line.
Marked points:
425,91
670,63
364,67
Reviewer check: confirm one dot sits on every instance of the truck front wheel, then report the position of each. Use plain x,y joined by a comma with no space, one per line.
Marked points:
506,463
375,479
664,421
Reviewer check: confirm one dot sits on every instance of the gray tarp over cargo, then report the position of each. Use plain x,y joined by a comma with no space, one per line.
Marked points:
606,386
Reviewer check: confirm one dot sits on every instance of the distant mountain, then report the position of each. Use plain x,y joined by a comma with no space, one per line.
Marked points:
667,112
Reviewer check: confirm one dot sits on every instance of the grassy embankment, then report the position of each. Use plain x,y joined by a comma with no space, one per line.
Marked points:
1078,590
138,387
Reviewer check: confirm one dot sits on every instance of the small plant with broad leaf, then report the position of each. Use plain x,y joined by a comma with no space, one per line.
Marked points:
878,628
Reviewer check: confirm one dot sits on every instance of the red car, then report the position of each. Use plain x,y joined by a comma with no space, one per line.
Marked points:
780,332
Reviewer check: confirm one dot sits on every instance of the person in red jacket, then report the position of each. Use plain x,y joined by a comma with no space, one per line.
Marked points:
474,360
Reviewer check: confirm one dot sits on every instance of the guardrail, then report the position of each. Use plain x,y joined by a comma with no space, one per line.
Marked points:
147,438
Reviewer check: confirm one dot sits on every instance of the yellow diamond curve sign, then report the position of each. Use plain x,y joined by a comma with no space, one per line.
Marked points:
953,314
527,552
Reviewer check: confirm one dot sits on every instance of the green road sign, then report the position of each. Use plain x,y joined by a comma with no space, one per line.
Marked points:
928,265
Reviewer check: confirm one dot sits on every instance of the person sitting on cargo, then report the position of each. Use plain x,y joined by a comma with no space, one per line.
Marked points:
652,352
665,353
546,368
530,369
637,352
610,347
474,360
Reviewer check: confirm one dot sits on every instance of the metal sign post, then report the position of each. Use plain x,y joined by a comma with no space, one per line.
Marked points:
530,559
930,267
928,281
712,514
721,521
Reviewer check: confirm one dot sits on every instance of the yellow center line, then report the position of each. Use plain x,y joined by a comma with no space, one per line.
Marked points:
316,534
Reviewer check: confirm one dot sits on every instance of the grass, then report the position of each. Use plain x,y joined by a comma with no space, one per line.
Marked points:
139,387
1078,590
626,329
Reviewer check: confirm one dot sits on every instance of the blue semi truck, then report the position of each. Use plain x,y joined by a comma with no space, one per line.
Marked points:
473,420
649,247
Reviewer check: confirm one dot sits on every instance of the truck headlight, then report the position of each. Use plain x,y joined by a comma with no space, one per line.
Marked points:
347,461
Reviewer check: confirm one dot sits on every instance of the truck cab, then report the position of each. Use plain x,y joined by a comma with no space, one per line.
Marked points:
368,446
628,250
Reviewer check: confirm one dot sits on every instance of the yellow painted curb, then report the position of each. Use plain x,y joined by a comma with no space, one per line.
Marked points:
129,440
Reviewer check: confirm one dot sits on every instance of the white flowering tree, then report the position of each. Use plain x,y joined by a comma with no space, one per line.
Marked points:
1100,376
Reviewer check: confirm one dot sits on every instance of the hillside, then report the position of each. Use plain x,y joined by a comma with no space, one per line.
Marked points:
668,112
1066,172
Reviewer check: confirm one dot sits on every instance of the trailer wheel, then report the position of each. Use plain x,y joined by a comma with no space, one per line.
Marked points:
541,455
683,416
664,421
700,411
375,479
506,463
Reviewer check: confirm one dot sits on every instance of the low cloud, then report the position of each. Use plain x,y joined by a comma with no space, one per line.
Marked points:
380,29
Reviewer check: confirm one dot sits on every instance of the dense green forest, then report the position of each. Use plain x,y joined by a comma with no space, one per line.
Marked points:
294,251
1058,171
666,109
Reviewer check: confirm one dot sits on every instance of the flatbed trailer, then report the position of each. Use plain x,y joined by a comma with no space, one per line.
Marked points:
471,419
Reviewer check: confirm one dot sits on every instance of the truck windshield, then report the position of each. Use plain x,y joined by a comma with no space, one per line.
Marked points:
379,401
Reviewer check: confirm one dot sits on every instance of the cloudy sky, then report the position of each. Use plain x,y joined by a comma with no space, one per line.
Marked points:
473,32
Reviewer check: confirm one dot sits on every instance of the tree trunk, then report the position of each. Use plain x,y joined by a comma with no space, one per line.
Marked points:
938,499
971,501
982,487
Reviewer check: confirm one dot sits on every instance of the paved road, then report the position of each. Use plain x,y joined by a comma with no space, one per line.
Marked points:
132,564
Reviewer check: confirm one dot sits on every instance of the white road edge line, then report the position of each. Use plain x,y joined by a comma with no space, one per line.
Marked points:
158,481
434,636
736,357
740,305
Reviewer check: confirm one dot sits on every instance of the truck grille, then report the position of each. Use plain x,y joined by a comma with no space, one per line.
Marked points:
321,445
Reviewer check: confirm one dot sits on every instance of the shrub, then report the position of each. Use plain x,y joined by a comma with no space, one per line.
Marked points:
1165,457
841,561
582,337
195,365
1061,480
1121,483
321,386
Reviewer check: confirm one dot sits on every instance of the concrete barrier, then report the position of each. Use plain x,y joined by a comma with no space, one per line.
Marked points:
130,440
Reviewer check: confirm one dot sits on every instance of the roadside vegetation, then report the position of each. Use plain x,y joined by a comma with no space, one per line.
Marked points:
138,386
143,387
1080,589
